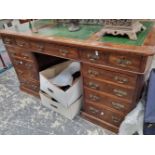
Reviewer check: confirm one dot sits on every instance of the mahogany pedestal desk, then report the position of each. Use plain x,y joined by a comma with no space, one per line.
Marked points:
113,74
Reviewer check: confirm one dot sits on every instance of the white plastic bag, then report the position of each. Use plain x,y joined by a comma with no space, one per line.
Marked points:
133,122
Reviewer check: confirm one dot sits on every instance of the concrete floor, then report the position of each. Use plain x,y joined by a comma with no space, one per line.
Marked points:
23,114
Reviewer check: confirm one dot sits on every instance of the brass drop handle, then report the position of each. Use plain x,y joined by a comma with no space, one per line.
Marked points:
93,56
93,110
7,40
63,52
94,97
20,72
93,85
34,86
119,92
28,65
117,106
123,62
121,80
93,72
115,119
40,46
20,43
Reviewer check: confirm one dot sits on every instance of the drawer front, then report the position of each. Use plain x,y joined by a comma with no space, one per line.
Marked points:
117,104
22,43
30,85
24,74
15,52
117,91
37,46
125,62
25,69
103,74
22,64
62,51
8,40
103,113
94,56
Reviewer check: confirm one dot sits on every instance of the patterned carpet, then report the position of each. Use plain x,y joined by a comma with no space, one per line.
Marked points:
22,114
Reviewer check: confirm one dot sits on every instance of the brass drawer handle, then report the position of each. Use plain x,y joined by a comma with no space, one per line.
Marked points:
117,106
20,43
93,85
29,66
121,80
34,87
93,110
40,46
20,72
93,72
7,41
94,97
93,56
63,52
119,92
123,62
116,119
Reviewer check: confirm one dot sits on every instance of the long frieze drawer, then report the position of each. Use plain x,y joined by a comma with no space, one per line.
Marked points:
103,74
103,113
62,51
94,56
112,102
37,46
109,88
126,62
22,43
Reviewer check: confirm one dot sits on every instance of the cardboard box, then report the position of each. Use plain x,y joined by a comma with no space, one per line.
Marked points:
66,98
52,104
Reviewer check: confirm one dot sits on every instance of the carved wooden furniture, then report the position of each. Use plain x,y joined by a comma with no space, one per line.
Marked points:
127,27
113,74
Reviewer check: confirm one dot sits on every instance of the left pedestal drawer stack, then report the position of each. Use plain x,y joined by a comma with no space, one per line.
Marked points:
26,69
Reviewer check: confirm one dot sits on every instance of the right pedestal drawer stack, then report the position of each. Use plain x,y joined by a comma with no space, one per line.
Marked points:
113,83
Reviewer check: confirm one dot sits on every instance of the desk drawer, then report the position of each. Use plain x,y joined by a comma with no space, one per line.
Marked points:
22,43
102,74
122,61
125,62
62,51
23,64
8,40
16,52
117,91
103,113
37,46
94,56
25,68
30,85
25,74
112,102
